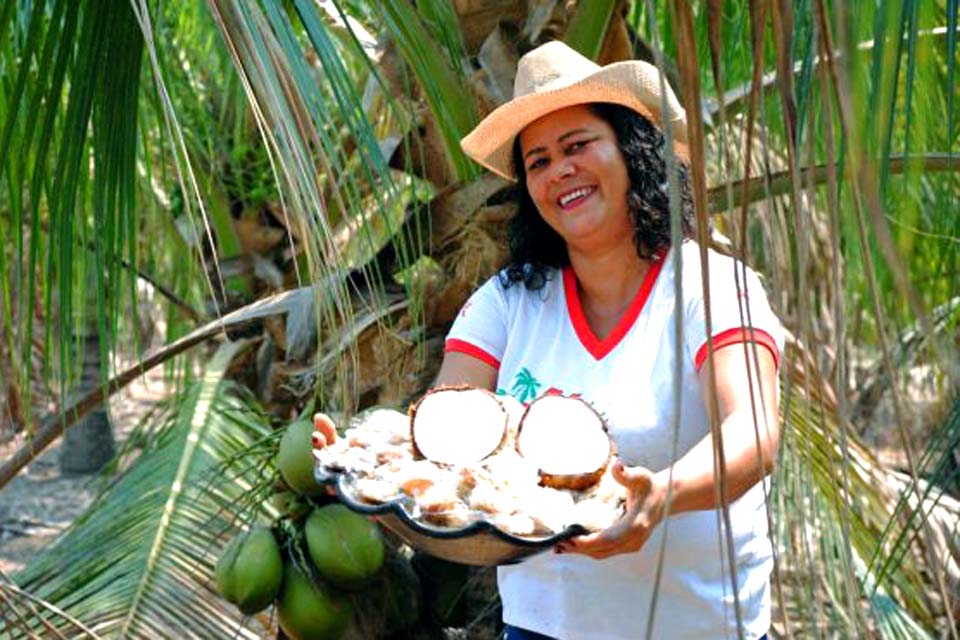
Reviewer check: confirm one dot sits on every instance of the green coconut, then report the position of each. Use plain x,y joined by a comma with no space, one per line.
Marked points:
223,573
290,504
250,572
345,547
295,458
307,610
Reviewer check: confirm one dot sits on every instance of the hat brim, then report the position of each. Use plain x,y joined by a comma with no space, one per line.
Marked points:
491,142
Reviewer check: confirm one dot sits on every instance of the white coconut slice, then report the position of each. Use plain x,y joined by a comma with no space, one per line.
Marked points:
341,457
376,427
457,425
375,491
412,477
457,517
399,452
488,499
567,441
509,470
440,498
549,509
518,524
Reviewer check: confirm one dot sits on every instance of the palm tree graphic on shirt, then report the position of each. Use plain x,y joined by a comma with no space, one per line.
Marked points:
524,386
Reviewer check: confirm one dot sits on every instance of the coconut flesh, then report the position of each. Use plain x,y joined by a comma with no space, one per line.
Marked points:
566,440
458,426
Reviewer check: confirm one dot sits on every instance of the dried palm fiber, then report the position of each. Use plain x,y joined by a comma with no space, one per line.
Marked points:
479,17
471,257
399,361
772,216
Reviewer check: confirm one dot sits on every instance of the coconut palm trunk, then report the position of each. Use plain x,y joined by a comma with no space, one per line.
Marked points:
89,445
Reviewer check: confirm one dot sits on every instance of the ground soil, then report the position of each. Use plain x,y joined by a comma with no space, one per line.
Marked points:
38,504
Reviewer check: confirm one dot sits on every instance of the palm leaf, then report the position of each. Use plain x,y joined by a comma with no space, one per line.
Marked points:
139,563
442,86
588,26
286,303
21,611
300,117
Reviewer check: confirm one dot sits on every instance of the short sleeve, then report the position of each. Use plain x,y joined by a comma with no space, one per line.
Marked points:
740,311
480,328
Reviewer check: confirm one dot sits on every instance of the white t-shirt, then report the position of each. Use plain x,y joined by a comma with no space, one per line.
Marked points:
540,342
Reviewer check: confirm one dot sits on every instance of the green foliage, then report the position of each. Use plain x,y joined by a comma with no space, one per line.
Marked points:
140,562
588,27
69,196
134,138
440,80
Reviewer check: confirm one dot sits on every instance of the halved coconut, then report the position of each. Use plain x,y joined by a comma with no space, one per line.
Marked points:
457,425
515,410
567,441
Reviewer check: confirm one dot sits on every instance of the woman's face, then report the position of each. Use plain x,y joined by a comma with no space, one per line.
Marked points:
577,178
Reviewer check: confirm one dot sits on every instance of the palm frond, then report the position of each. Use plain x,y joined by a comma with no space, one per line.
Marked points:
21,610
286,303
443,87
139,563
588,26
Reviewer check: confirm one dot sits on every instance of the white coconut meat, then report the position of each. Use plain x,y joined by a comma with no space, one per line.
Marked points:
508,470
458,426
566,440
378,426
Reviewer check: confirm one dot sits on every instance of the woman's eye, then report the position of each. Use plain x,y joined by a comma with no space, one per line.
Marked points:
536,164
576,146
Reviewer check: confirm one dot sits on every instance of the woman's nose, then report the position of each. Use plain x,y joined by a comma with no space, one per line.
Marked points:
564,168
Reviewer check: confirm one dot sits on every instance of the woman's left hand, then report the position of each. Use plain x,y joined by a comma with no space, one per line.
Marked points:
646,494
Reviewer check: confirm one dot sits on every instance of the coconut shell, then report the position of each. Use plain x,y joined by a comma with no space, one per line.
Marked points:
417,453
575,481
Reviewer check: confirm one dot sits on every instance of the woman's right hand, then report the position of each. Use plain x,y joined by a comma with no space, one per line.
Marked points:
324,431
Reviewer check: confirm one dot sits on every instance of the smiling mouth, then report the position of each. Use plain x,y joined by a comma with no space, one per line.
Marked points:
573,198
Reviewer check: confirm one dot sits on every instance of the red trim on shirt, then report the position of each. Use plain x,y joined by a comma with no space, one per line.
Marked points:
596,347
740,335
462,346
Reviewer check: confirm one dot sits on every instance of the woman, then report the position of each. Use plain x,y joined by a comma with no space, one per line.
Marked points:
588,305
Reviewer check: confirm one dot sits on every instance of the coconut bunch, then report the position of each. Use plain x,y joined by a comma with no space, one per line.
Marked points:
309,570
319,563
463,455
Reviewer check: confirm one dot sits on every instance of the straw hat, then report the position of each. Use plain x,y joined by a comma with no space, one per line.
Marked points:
554,76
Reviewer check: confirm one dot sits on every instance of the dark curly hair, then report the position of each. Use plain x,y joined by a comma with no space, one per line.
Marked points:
535,248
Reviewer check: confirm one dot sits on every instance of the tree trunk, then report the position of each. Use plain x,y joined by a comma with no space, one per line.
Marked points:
89,445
